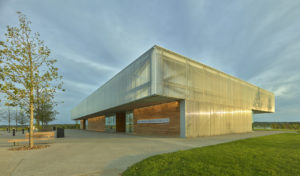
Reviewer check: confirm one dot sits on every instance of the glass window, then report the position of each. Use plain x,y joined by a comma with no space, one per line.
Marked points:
110,123
129,122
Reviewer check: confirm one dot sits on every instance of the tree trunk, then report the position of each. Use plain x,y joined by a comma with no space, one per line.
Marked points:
38,107
31,101
31,121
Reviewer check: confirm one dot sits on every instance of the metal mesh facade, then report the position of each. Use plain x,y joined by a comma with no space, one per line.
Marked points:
214,102
131,84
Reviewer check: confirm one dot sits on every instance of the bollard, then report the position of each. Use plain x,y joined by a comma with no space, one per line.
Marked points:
14,132
23,131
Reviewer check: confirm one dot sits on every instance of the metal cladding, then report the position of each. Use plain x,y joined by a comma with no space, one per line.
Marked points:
131,84
214,102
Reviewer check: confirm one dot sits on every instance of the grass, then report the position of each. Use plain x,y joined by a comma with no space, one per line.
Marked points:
262,156
261,129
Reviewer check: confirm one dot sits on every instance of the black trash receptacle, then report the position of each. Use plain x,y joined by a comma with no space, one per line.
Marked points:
54,128
60,132
14,132
23,131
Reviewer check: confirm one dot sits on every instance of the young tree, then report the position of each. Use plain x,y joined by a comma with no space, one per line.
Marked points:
16,118
1,68
44,104
47,113
6,115
19,117
2,115
45,108
22,118
26,65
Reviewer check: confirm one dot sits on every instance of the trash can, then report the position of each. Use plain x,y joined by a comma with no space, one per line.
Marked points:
23,131
54,128
60,132
14,132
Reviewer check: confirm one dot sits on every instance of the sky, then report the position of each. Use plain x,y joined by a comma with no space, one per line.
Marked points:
256,41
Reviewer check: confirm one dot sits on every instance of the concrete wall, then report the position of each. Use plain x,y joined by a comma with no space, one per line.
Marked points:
96,123
168,110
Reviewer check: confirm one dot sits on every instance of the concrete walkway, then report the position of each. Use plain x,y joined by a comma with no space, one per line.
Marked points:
87,153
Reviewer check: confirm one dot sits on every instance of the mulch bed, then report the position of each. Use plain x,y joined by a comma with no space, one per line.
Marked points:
26,147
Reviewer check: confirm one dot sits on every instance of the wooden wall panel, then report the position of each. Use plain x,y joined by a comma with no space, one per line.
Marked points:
168,110
96,123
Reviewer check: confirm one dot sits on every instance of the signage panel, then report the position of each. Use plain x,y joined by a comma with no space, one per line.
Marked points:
162,120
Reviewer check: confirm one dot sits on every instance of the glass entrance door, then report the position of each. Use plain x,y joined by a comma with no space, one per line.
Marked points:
129,122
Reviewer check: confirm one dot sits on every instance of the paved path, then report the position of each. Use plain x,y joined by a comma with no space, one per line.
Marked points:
86,153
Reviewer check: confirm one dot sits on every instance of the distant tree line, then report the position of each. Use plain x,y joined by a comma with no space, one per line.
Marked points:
277,125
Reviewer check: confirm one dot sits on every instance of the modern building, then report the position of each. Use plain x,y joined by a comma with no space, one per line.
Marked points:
164,93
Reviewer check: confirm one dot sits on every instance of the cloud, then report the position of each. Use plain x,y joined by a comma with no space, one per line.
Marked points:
257,41
83,61
282,90
82,87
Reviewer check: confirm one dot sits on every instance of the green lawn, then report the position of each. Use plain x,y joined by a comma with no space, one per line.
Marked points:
262,156
261,129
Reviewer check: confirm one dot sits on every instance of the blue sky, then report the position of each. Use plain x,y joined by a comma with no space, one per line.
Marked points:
256,41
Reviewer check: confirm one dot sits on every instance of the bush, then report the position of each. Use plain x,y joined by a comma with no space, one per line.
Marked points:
277,125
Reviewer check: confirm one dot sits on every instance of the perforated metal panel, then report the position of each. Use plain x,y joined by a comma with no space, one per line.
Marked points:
130,84
215,102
